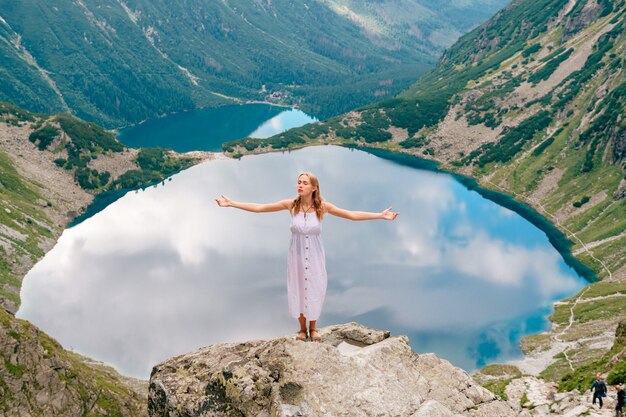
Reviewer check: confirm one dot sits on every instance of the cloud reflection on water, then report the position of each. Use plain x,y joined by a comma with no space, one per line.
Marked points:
163,271
281,123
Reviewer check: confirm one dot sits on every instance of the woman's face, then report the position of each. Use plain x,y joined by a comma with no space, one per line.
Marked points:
305,188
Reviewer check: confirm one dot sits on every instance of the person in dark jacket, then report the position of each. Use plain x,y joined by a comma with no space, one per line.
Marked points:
621,396
599,389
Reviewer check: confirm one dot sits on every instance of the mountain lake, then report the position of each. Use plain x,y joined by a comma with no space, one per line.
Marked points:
164,270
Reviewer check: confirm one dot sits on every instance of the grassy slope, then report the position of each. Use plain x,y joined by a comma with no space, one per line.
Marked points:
28,221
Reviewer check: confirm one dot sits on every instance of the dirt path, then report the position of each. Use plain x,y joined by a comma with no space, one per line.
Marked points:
557,336
596,243
561,342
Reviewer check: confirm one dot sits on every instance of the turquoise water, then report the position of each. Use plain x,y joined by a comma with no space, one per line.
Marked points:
163,271
207,129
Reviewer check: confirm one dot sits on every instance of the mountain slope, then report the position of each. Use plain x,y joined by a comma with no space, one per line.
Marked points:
418,24
39,378
117,61
531,104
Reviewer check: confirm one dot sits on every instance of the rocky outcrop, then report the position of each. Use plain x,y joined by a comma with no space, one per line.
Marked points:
354,371
619,148
580,19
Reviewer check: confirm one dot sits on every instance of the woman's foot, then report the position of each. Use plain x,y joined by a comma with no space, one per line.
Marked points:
302,335
315,335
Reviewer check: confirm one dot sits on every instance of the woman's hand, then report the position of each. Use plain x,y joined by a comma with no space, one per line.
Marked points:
388,214
224,201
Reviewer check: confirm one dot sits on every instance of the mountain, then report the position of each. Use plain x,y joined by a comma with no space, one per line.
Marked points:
118,62
423,24
531,104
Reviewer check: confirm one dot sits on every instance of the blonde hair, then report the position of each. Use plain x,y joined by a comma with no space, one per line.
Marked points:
296,206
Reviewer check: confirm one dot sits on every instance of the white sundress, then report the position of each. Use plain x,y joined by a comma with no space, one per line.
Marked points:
306,267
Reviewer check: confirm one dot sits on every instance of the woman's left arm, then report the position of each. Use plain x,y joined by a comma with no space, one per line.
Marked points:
359,215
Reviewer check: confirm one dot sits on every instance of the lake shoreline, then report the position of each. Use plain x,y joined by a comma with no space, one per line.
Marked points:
555,235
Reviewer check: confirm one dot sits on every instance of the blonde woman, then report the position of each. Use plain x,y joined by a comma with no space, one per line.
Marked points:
306,279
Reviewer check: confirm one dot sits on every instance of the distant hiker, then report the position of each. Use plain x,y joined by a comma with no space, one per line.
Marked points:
306,262
599,389
621,396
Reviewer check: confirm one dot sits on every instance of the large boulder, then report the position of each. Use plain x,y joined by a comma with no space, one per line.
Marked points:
354,371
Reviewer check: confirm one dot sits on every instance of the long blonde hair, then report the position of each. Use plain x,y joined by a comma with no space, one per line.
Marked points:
296,206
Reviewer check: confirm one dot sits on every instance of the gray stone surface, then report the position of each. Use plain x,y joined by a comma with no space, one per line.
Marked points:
355,371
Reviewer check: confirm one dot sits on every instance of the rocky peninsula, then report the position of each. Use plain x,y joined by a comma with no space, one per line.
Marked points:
354,371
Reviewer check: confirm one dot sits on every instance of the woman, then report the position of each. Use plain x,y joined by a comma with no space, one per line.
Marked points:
306,281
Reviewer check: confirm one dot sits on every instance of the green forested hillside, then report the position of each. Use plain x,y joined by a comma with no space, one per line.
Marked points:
119,62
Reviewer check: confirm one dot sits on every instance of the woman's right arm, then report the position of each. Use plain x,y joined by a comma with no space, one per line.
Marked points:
255,207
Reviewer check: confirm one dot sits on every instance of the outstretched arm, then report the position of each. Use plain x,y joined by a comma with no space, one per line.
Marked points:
255,207
359,215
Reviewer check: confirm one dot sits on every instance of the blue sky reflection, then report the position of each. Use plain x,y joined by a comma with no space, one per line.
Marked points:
281,123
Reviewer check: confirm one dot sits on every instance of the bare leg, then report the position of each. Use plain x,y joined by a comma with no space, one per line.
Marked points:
315,336
302,334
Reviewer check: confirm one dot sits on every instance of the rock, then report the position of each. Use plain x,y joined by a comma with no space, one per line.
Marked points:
620,194
354,371
579,21
620,339
619,148
577,411
432,408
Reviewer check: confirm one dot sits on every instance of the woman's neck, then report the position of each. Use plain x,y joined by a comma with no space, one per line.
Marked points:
306,202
